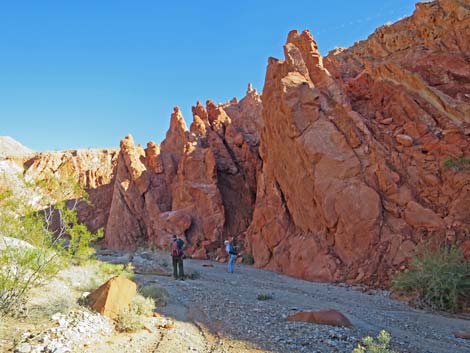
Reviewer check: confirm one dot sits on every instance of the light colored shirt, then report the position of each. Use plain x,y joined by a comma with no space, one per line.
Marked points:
227,248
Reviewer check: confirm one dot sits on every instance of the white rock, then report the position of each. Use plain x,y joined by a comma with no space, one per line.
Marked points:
23,348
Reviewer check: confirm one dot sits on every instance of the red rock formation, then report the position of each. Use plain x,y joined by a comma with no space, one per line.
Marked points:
337,175
353,148
200,184
92,169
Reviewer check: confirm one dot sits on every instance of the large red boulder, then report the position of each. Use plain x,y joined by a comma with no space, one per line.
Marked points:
113,296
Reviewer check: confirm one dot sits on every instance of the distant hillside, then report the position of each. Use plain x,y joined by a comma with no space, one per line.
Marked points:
11,147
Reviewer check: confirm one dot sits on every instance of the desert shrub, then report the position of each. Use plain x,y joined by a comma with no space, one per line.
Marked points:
264,297
158,294
193,275
132,319
142,305
370,346
438,276
248,259
456,164
107,270
128,320
21,269
29,215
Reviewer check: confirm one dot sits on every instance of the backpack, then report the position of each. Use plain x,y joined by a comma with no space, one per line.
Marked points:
175,251
177,248
233,250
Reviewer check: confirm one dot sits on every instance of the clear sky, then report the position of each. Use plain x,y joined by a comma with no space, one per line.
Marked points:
84,73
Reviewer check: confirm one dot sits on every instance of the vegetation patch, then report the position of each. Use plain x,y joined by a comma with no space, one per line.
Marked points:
264,297
456,164
132,319
38,238
248,259
157,294
438,276
193,275
382,345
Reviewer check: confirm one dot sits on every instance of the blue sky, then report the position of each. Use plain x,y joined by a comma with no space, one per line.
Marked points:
79,74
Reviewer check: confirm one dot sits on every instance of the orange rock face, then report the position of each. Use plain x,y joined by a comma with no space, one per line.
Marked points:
199,184
353,146
113,296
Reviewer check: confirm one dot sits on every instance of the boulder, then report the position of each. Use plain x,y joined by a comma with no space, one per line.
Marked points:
323,317
404,140
113,296
465,335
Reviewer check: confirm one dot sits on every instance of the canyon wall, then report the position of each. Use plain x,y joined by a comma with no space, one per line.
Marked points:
337,172
200,183
354,145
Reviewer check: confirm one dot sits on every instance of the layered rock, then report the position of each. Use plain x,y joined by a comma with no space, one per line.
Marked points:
92,169
353,148
199,184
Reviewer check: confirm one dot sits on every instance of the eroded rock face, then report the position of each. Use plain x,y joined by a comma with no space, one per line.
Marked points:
199,184
92,169
335,173
353,145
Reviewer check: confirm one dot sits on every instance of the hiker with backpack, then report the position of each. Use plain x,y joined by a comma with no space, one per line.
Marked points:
232,255
177,257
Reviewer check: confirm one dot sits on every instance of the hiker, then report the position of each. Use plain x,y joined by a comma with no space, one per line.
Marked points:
177,256
232,256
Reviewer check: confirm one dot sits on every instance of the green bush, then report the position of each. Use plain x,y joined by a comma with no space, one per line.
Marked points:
439,277
24,266
456,164
142,305
158,294
264,297
107,270
370,346
248,259
128,320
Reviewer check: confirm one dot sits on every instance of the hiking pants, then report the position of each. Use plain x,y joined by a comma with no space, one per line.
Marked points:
178,267
231,263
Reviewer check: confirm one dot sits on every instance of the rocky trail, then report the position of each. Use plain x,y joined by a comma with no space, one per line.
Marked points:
218,312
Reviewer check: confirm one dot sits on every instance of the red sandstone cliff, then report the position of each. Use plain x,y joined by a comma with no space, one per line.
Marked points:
337,175
353,147
200,184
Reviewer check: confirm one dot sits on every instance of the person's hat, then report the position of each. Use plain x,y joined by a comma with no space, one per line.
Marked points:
173,236
226,242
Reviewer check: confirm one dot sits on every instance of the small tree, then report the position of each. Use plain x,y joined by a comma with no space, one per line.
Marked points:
34,227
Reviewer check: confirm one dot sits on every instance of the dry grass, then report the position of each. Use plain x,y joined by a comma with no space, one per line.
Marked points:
159,295
132,319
